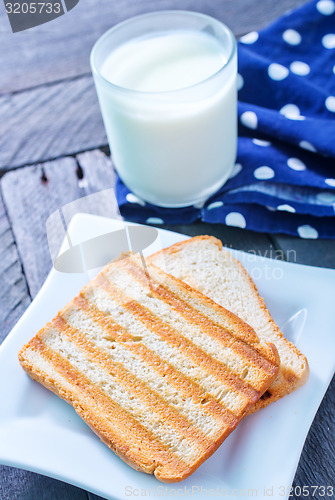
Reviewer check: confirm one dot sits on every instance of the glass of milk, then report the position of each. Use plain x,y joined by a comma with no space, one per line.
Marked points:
166,83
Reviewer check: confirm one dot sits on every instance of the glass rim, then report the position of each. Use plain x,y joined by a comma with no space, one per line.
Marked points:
96,72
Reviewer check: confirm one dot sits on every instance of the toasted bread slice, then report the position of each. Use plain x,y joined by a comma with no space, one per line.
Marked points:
203,264
160,372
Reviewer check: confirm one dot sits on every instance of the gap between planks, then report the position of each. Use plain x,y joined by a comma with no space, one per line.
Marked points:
14,293
30,201
49,122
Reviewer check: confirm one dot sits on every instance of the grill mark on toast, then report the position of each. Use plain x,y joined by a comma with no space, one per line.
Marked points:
177,339
224,335
31,361
109,407
128,396
115,415
168,351
289,375
134,385
285,382
258,356
248,336
187,386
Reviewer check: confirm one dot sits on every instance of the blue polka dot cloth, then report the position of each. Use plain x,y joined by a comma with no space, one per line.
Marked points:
284,177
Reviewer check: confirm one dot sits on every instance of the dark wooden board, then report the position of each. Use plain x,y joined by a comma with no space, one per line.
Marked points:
14,294
320,253
48,122
316,466
231,237
60,49
32,194
30,486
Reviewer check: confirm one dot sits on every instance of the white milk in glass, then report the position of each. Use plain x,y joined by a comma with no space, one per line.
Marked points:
169,105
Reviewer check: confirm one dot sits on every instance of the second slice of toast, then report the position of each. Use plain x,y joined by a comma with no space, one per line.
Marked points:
203,264
160,372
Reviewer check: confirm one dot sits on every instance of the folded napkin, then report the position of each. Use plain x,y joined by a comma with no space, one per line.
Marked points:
284,177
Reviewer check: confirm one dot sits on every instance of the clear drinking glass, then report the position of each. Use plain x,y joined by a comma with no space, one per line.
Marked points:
171,147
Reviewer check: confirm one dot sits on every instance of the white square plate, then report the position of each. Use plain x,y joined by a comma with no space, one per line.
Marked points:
42,433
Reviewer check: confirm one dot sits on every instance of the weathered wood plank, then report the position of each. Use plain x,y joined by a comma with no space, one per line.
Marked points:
49,122
60,49
14,294
31,194
24,485
231,237
316,466
319,253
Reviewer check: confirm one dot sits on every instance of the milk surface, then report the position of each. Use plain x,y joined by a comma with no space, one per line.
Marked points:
173,142
163,63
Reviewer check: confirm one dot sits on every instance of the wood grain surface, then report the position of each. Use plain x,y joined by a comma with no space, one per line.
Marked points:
47,122
307,253
60,49
14,293
31,486
44,189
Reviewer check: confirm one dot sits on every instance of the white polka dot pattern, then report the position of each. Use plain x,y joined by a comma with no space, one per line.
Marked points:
261,142
300,68
131,198
308,232
235,219
326,198
328,41
154,220
215,204
277,72
239,81
286,208
326,7
250,38
292,112
330,103
307,145
264,173
296,164
236,170
292,37
249,119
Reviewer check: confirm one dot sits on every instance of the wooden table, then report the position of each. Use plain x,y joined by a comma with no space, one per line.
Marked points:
53,150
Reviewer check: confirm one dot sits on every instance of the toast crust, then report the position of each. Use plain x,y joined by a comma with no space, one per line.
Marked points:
287,379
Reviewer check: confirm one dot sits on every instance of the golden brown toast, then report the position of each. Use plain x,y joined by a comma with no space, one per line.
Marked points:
160,372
